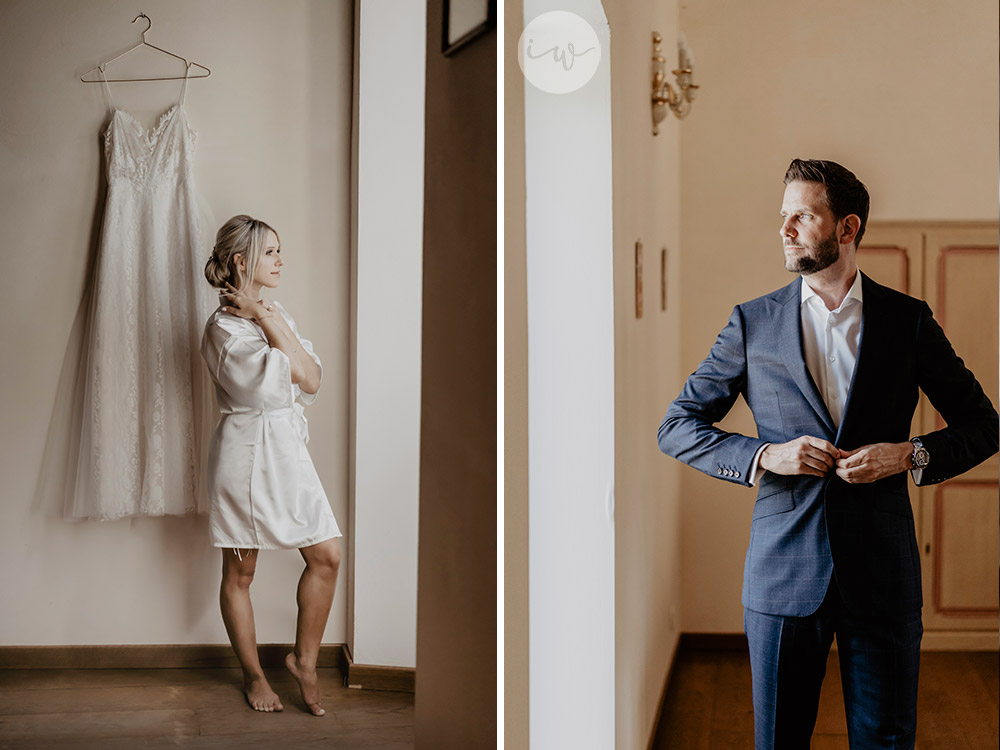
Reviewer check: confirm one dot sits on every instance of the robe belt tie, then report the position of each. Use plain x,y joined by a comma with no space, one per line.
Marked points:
301,423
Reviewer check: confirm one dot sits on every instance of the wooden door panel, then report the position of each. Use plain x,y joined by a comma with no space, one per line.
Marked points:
893,255
966,561
887,264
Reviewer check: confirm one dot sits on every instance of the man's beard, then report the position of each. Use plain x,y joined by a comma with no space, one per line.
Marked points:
815,258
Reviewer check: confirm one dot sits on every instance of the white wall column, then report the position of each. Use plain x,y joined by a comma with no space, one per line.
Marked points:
386,316
571,399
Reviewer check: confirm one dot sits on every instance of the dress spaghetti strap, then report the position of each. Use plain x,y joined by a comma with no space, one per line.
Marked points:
107,91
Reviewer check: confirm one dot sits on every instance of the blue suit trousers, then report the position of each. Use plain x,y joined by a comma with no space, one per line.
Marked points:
879,664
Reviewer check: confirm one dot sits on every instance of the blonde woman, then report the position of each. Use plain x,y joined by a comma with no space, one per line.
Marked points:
264,490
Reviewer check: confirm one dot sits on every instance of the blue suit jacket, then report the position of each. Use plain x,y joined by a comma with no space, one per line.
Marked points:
806,528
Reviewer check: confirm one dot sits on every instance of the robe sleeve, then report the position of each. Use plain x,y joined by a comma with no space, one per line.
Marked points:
250,371
303,397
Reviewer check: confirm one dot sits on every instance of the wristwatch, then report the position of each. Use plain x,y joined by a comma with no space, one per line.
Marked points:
920,456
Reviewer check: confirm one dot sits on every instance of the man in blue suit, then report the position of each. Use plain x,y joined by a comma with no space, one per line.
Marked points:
831,366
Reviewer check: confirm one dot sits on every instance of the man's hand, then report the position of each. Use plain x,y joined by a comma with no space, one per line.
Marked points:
804,455
870,463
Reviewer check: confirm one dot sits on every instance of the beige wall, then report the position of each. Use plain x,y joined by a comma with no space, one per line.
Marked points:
456,688
647,504
904,93
515,389
273,128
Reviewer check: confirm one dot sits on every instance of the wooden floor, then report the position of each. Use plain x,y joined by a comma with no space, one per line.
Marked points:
111,709
709,706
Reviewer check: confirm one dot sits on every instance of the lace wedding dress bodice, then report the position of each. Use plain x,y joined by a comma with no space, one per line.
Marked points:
142,401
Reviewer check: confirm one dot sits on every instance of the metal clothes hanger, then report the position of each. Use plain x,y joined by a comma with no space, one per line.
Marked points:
188,64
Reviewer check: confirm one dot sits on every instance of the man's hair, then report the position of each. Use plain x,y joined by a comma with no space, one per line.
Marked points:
845,193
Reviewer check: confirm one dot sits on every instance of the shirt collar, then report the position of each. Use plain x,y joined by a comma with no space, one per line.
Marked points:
853,294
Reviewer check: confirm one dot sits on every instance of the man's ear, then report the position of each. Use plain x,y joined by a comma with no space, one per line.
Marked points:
849,231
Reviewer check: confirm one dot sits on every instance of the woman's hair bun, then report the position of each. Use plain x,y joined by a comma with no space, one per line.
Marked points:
216,273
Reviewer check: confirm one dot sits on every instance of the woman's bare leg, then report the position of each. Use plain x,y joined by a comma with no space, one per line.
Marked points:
237,613
314,597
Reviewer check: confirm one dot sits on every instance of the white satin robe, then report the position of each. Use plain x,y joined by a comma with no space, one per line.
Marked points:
262,485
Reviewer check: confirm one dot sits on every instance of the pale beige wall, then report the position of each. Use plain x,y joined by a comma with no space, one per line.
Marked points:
904,93
515,390
273,126
647,525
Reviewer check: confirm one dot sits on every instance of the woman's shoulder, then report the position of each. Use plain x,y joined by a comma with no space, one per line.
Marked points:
222,324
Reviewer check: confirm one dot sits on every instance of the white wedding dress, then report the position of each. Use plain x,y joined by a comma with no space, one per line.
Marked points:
141,409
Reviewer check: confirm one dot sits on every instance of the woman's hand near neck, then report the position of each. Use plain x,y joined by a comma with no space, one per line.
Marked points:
245,304
304,371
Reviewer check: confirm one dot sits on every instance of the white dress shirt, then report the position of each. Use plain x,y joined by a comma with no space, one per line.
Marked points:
830,340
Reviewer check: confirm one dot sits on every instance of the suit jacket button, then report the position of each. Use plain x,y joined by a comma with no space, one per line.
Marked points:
720,472
737,475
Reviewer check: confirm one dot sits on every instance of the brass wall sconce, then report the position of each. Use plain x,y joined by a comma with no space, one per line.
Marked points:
664,94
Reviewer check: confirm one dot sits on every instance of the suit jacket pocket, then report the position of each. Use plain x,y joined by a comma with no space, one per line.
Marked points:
771,504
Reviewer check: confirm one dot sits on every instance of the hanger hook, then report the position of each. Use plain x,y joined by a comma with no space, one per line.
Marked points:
148,21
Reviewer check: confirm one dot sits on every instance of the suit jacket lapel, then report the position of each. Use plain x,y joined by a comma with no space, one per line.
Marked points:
875,327
790,344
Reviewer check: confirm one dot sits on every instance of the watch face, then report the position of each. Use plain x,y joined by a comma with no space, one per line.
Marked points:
920,457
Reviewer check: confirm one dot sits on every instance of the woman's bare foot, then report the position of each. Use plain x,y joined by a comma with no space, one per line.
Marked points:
308,684
260,696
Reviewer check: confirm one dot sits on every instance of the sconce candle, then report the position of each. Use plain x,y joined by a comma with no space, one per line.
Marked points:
685,57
